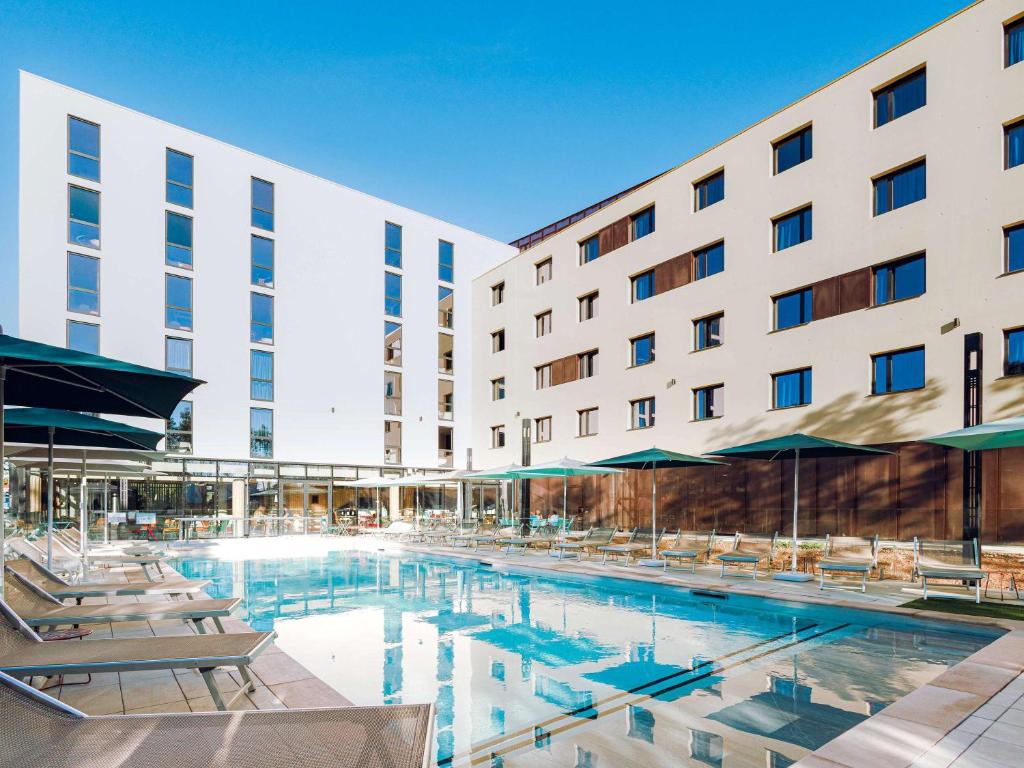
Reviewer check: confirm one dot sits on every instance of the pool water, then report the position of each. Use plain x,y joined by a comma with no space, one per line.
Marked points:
589,672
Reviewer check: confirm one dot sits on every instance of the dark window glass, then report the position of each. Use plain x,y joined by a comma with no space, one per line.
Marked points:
179,302
262,204
1015,43
590,249
708,332
261,373
643,286
178,354
791,388
179,429
901,97
898,371
899,188
899,280
83,148
1015,144
179,178
793,150
392,245
83,217
445,261
262,326
1015,248
710,190
792,229
642,350
709,261
178,248
392,294
709,402
792,309
84,337
588,306
261,433
642,224
642,413
262,254
83,284
1014,352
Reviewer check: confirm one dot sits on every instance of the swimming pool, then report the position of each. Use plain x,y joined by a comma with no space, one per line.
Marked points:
592,672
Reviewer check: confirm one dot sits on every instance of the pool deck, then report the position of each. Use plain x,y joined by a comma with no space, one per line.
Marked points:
970,716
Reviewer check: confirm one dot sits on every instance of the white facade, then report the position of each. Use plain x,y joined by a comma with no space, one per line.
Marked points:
328,285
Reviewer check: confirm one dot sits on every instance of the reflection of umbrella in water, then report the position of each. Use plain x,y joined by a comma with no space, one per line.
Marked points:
544,645
448,621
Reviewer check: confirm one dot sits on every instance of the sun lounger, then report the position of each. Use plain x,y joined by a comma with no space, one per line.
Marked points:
24,654
639,543
748,550
594,538
397,529
41,610
493,537
50,582
144,560
541,536
465,534
689,546
948,560
848,555
38,731
439,534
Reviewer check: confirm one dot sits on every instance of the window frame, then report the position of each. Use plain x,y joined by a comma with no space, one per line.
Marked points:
1016,368
388,226
253,207
178,433
253,322
1009,27
632,349
803,133
538,422
168,277
387,348
808,208
545,265
255,380
168,245
539,322
587,364
167,356
542,376
697,332
890,355
708,389
889,179
584,415
168,182
498,293
803,372
498,438
82,222
635,415
254,265
392,298
701,187
890,267
634,280
1016,124
888,89
702,253
807,307
441,266
498,386
80,153
1008,231
98,264
252,438
497,341
590,302
67,331
584,248
636,217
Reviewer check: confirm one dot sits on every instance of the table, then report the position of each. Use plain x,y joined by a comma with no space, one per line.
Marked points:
1002,580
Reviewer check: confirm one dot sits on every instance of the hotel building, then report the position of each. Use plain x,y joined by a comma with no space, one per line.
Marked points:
851,266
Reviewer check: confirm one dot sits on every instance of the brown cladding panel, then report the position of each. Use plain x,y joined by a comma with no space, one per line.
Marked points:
620,233
855,290
564,369
604,241
672,273
826,298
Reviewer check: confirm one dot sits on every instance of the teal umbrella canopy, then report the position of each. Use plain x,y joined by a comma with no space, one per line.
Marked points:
508,472
564,467
1005,433
652,457
809,446
32,426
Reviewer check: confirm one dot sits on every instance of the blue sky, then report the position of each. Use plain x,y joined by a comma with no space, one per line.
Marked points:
498,118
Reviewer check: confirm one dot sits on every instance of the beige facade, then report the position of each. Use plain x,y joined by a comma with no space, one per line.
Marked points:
971,197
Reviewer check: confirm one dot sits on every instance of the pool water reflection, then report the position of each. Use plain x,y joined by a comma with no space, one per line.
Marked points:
587,672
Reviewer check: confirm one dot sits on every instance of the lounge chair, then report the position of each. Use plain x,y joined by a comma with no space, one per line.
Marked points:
439,534
41,610
50,582
956,560
144,560
397,529
466,533
689,545
24,654
748,550
639,543
38,731
494,537
541,536
849,554
594,538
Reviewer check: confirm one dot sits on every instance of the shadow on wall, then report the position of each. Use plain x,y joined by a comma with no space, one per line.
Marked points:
1010,388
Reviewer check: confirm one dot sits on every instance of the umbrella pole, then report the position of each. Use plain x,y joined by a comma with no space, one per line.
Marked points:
793,574
654,562
49,500
3,498
565,510
83,514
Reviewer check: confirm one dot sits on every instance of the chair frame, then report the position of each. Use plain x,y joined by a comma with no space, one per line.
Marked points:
852,568
681,554
731,558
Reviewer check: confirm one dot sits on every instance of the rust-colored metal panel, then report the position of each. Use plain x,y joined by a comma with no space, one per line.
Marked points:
564,369
673,273
604,241
855,290
826,298
620,233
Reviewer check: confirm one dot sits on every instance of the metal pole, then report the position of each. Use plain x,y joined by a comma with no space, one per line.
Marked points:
3,498
565,511
654,511
106,509
796,506
83,515
49,500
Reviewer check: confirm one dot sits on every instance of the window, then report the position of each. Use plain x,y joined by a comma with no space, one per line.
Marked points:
498,388
392,343
590,249
793,309
83,216
641,350
792,150
445,261
709,191
543,269
1014,365
178,429
178,243
178,355
392,442
791,388
497,294
897,371
392,294
179,178
445,307
1014,33
586,364
588,306
261,328
709,331
261,433
498,341
543,323
261,375
83,148
641,224
899,188
392,245
898,280
446,353
542,376
792,229
587,422
83,284
1014,237
903,96
445,399
709,261
178,295
542,429
643,286
641,413
1015,144
262,204
498,436
83,337
261,253
392,393
709,402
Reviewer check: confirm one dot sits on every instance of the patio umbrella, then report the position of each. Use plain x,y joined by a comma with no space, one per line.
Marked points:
45,376
1005,433
507,472
794,446
652,459
565,468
